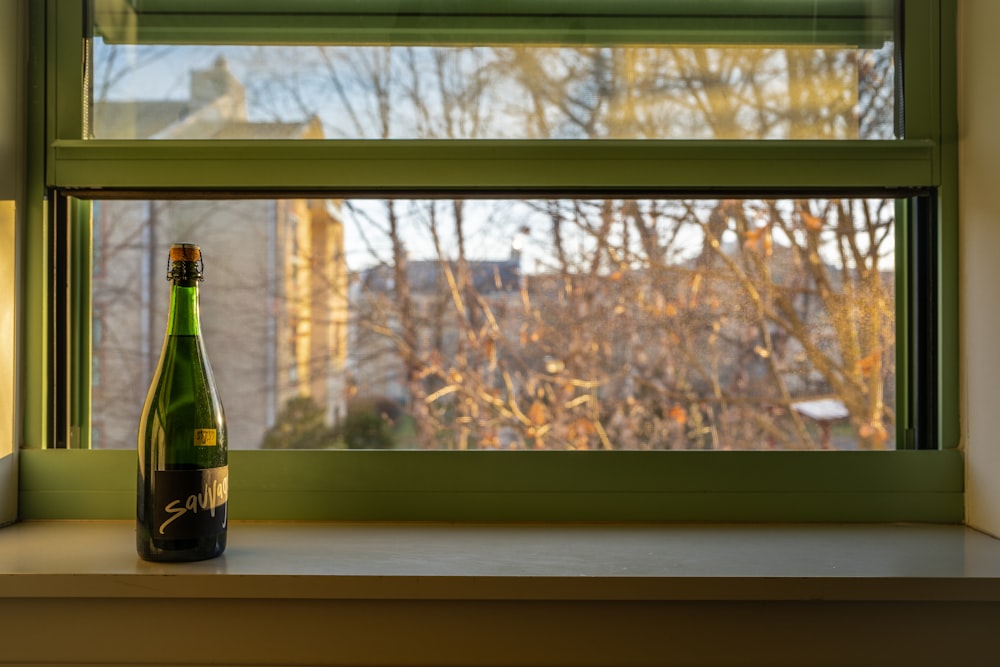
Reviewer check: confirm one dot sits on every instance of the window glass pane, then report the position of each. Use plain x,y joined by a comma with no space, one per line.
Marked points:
797,73
514,324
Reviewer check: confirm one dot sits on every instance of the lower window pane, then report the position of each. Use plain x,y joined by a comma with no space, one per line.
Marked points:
509,324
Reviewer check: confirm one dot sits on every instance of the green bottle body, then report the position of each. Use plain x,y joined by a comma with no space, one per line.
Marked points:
183,475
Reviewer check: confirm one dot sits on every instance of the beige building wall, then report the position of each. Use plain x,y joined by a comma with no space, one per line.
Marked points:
273,300
272,308
312,336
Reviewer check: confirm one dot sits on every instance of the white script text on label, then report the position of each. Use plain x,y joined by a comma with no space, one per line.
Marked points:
215,494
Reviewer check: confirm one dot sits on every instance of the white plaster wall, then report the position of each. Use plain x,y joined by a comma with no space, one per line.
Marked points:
12,42
979,230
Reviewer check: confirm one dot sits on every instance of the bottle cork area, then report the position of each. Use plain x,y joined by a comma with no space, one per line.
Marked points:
185,252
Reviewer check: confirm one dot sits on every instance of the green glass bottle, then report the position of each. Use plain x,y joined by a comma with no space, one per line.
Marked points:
183,473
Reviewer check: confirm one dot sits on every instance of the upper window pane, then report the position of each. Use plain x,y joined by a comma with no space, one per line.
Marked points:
630,70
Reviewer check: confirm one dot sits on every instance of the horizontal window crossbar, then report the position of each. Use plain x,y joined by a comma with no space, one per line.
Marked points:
359,166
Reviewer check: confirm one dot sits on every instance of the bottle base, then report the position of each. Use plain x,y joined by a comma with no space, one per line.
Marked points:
180,551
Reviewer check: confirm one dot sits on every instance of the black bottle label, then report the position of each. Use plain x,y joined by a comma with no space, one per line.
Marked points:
190,503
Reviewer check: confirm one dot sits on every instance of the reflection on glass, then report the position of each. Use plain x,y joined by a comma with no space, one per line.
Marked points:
537,324
510,92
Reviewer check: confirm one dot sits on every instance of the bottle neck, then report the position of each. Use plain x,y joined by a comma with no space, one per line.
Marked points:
183,316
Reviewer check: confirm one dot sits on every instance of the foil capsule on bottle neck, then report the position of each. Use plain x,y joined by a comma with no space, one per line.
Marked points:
185,263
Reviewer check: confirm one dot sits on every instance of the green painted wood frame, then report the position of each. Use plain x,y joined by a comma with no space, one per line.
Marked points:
387,485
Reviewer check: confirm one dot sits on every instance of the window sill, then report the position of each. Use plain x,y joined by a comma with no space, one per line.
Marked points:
508,593
514,561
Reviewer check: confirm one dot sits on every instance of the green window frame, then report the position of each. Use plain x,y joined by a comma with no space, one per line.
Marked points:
64,170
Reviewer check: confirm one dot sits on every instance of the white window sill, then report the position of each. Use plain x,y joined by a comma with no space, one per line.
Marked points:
507,594
515,561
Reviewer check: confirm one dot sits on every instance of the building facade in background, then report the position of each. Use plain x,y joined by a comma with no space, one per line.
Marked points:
274,312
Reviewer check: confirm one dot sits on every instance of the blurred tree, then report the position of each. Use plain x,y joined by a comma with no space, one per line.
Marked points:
301,424
643,323
369,425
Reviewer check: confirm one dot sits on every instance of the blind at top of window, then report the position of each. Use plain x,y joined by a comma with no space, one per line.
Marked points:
864,23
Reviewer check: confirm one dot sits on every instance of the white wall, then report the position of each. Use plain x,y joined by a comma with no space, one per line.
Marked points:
12,65
979,229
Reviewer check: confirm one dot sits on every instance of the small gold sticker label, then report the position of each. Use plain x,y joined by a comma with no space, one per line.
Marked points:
204,437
